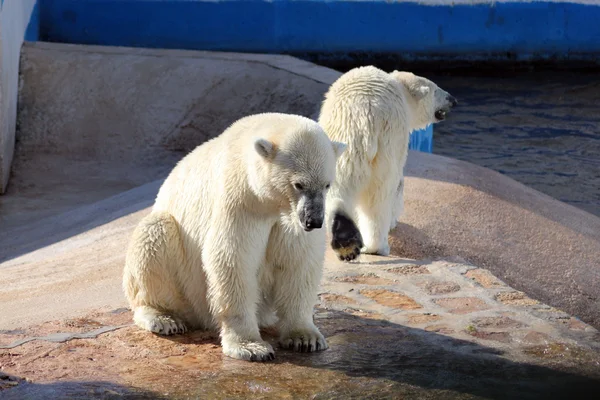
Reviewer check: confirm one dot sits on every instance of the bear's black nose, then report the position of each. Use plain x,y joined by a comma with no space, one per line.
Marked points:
313,223
452,100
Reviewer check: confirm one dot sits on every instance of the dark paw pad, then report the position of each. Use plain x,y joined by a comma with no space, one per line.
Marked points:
346,239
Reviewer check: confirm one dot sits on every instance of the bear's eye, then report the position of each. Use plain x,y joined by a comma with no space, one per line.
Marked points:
298,186
327,186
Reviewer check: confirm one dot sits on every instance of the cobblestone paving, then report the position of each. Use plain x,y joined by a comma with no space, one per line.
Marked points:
397,329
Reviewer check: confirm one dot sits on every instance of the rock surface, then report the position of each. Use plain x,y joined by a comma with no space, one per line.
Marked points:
538,245
460,345
437,320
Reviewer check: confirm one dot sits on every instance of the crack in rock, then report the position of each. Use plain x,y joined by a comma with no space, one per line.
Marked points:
61,337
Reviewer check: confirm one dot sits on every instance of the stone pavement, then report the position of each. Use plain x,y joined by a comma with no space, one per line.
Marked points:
397,328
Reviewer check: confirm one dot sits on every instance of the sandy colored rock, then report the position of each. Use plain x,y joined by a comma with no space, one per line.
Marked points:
576,324
366,279
462,305
336,298
409,270
391,299
440,328
365,314
484,278
525,238
515,299
418,319
497,322
534,337
436,288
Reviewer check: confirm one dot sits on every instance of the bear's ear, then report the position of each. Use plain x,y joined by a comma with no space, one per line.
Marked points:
338,148
420,92
265,148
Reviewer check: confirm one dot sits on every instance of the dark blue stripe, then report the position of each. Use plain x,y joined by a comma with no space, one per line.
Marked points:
32,33
525,29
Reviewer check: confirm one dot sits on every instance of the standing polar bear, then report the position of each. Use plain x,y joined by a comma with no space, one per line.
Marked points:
233,240
374,112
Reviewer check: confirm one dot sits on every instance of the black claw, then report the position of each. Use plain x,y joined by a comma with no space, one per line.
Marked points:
310,348
253,357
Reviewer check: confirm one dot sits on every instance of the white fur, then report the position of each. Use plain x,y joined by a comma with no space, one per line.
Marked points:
374,112
223,247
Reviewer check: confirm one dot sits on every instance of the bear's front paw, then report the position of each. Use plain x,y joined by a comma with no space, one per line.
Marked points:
305,340
249,351
346,239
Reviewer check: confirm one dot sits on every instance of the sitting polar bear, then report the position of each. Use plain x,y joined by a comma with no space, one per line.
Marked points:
374,112
233,240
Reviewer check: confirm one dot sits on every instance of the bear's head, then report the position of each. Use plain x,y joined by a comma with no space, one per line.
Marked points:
295,168
429,102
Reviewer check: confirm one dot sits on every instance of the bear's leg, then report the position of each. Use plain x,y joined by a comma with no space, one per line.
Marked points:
266,314
297,265
148,280
234,249
374,218
398,206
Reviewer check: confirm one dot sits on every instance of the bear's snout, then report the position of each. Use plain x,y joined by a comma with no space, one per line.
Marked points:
452,100
313,223
311,220
311,213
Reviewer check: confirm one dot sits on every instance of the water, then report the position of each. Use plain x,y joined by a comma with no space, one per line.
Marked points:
541,129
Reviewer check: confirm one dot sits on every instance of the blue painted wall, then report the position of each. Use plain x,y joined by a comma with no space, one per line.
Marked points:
32,33
418,29
422,140
486,30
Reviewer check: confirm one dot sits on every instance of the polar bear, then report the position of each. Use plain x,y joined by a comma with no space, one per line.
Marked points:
233,240
374,112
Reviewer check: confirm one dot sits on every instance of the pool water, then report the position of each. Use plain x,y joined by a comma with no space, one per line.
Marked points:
541,129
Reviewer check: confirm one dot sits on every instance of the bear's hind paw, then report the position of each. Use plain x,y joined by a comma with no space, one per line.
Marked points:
166,325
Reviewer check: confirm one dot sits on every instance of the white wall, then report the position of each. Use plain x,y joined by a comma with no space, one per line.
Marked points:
14,18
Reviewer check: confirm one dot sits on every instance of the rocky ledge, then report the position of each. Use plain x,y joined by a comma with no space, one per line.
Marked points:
397,328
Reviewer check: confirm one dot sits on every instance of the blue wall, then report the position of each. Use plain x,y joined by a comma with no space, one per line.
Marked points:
423,29
490,30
